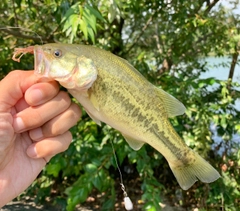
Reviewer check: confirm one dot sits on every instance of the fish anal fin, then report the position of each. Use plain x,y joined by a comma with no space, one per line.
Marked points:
133,143
187,175
173,106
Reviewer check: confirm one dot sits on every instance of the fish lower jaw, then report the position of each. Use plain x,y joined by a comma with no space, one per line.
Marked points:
68,85
67,81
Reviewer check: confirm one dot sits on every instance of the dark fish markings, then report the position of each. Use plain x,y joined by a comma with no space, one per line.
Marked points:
180,154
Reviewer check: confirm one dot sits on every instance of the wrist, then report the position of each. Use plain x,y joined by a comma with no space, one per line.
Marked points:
6,193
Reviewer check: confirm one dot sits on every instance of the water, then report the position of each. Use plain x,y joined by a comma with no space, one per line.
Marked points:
219,68
221,72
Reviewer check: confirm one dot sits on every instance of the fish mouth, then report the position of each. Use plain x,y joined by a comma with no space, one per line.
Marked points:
42,66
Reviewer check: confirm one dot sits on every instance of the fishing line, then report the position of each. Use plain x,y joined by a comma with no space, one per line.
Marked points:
127,201
24,29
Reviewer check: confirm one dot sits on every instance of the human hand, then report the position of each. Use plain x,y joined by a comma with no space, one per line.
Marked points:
34,123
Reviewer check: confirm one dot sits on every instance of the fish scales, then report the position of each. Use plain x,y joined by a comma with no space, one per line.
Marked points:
133,113
126,99
113,91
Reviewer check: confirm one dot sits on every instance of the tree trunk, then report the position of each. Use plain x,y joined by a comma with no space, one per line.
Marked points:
166,66
233,63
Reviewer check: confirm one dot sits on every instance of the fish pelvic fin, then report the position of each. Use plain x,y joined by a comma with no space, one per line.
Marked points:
133,143
96,120
188,174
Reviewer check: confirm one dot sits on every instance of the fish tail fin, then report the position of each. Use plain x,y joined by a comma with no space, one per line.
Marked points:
200,169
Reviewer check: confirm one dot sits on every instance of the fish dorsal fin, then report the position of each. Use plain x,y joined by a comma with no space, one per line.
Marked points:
173,106
133,143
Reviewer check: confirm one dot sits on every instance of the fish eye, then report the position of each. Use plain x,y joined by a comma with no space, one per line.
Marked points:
57,53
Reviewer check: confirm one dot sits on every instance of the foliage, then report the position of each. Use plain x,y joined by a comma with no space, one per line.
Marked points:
167,42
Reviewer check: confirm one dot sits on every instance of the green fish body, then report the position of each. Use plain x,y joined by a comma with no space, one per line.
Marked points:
114,92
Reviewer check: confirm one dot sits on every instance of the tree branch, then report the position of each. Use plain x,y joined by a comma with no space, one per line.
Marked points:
210,5
160,45
194,51
233,63
18,34
141,33
15,14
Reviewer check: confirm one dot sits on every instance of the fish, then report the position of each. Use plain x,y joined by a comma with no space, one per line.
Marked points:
112,91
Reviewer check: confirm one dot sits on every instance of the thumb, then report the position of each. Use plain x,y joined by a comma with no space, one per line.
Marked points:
13,87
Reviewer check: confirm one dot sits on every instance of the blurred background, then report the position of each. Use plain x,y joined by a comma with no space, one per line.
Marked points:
188,48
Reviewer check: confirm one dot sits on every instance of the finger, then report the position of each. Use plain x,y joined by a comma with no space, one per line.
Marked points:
54,145
41,92
37,94
33,117
19,106
58,125
13,87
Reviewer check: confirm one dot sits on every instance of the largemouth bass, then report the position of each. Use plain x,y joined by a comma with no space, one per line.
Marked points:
113,91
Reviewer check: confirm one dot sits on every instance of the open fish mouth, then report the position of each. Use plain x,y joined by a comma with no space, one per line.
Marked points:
41,65
80,72
44,68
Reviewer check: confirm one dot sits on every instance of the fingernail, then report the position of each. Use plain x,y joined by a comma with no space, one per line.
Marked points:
32,152
36,134
36,96
18,124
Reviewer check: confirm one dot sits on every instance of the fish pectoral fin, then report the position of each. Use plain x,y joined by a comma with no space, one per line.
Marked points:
93,100
94,118
173,106
133,143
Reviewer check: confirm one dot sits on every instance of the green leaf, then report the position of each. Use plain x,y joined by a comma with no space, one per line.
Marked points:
112,13
237,127
82,194
72,202
95,12
97,182
149,207
212,81
90,168
74,24
69,12
108,205
202,84
53,169
83,28
91,35
90,20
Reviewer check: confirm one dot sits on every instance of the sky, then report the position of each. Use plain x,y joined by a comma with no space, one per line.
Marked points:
227,4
